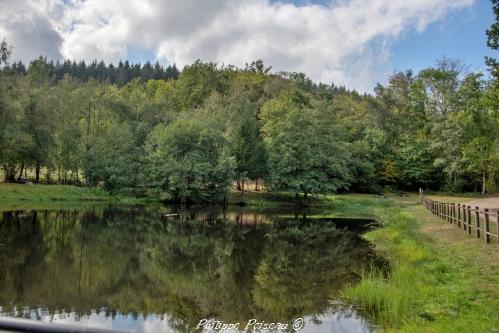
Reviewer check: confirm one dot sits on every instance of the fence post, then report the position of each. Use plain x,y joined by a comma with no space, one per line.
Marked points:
448,213
454,213
464,217
451,216
468,222
465,214
477,221
458,215
487,227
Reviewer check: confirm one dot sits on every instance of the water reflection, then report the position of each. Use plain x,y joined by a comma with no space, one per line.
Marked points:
148,270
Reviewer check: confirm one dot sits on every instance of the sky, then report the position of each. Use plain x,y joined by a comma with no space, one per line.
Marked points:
355,43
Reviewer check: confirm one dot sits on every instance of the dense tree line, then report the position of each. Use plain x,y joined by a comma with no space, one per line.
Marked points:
120,75
190,138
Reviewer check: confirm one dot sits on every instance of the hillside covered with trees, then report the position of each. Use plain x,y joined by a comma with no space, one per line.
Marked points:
189,136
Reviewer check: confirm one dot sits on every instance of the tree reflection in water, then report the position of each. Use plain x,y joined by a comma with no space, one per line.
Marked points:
229,265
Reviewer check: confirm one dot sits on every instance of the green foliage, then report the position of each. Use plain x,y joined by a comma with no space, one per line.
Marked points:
493,40
5,52
187,162
198,81
249,151
437,129
304,152
112,159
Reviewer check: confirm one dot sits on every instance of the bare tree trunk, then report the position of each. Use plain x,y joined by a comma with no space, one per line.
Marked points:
483,182
37,172
47,176
256,184
242,191
21,172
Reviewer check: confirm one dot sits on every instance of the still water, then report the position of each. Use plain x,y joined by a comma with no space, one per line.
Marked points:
150,270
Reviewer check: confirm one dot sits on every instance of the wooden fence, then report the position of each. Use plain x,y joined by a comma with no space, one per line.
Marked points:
480,223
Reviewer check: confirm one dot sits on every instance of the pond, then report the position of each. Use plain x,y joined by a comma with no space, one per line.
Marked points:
165,269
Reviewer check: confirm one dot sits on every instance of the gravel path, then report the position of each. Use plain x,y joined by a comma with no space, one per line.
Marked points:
490,203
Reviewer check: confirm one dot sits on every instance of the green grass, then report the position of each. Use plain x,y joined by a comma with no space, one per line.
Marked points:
19,197
262,199
440,280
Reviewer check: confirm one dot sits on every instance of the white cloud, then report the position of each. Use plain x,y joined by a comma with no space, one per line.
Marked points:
26,24
342,42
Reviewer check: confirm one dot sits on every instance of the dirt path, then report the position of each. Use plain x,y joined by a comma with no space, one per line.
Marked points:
490,203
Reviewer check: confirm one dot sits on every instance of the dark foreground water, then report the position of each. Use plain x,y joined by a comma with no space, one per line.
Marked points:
144,270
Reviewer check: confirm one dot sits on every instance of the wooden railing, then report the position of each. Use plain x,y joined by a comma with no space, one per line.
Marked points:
480,223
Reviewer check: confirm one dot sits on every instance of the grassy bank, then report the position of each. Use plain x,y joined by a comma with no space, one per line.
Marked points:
441,280
345,205
19,197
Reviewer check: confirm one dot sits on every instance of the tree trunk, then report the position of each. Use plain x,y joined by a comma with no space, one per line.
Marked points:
256,184
10,174
88,128
21,172
47,176
483,182
37,172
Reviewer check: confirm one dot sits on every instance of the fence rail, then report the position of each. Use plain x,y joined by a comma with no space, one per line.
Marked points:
483,224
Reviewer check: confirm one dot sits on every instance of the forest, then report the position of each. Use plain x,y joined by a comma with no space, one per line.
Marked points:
189,135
